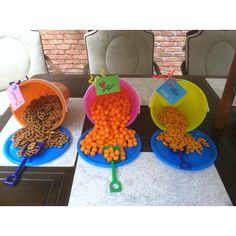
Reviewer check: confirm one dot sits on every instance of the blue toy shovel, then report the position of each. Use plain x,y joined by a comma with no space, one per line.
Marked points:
183,164
13,178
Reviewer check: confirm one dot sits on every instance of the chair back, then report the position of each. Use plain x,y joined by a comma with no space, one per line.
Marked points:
210,52
21,54
123,52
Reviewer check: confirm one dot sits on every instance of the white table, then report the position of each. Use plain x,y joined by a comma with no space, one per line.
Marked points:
147,181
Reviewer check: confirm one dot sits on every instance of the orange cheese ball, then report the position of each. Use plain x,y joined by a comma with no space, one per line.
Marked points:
110,113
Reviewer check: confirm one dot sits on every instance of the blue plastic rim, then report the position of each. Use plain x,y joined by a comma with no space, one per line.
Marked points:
195,160
47,155
99,160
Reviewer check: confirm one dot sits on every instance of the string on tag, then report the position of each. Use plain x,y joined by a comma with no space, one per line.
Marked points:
11,83
161,76
170,74
102,72
19,81
93,80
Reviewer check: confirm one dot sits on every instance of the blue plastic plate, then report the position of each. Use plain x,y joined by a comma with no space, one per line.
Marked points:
191,161
99,160
45,156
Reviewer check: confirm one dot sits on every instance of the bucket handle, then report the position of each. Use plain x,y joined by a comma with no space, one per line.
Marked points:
206,109
150,100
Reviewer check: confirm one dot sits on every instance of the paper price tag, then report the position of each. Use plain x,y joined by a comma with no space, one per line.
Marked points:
171,91
15,96
107,84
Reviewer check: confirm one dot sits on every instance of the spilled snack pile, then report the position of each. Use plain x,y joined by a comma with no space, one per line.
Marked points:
175,136
41,115
110,113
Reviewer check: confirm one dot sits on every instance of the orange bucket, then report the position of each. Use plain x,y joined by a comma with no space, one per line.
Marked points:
33,89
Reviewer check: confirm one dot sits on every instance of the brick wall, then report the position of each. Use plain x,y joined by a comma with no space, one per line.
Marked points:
168,49
66,48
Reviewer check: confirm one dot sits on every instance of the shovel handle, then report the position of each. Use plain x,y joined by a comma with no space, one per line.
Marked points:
13,178
115,185
113,169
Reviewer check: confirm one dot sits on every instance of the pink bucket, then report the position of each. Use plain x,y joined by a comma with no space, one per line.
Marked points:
134,99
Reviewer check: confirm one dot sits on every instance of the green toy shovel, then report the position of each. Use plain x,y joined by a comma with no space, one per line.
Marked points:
115,185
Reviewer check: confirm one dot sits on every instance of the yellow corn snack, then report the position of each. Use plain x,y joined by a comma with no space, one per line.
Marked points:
175,136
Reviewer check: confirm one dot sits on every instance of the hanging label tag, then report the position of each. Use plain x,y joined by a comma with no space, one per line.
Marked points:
171,91
15,96
107,84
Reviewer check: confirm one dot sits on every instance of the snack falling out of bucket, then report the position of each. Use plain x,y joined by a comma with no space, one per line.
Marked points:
90,95
110,113
33,89
172,144
175,136
193,105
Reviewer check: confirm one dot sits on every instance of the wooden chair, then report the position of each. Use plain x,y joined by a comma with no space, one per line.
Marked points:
227,97
22,54
123,52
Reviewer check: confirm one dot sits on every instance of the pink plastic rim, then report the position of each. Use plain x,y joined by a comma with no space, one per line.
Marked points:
135,106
